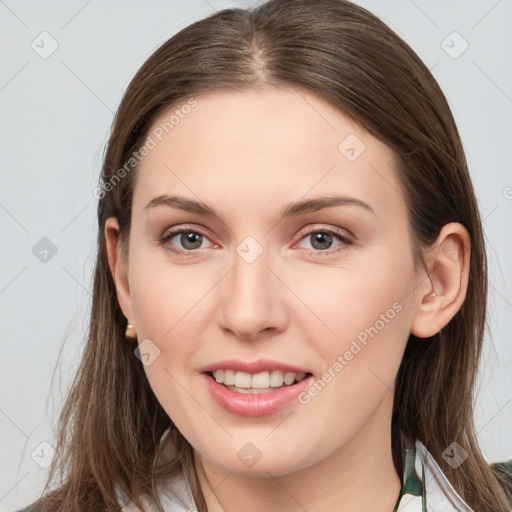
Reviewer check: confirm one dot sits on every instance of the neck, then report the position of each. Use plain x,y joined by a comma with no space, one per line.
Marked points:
357,477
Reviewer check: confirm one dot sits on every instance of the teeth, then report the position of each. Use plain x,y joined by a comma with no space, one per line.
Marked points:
289,378
263,380
260,380
243,380
276,379
229,378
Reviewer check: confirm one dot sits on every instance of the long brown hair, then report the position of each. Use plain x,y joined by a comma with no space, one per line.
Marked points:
111,423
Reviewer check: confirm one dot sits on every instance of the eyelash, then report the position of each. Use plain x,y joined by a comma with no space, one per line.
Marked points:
169,235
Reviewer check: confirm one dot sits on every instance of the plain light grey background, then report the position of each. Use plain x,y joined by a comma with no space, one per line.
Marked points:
56,112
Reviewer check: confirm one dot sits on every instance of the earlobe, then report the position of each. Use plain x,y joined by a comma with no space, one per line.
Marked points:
444,289
118,268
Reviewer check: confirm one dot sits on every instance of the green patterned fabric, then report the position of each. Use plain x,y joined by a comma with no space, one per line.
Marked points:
426,488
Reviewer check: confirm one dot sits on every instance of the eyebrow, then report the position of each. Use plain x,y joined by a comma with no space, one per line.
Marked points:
291,210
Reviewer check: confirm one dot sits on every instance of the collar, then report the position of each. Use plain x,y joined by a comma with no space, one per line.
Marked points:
425,487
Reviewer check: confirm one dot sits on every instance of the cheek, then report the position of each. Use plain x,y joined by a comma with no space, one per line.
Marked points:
365,324
168,311
165,297
371,322
367,301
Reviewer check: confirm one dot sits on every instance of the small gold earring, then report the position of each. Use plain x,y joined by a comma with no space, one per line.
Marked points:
130,333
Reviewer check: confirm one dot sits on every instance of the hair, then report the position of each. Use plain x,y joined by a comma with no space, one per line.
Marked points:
111,424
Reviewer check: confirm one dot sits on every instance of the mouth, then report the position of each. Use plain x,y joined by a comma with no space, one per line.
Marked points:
255,388
255,394
256,383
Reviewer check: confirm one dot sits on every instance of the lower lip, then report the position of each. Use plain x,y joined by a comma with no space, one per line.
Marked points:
261,404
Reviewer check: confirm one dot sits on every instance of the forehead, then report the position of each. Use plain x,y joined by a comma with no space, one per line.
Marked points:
263,147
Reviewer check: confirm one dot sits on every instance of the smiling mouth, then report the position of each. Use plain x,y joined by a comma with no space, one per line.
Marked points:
263,382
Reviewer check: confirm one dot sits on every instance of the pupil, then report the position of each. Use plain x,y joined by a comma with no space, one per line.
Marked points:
325,244
192,238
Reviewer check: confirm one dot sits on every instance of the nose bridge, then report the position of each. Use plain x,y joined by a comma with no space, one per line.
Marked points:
249,280
251,296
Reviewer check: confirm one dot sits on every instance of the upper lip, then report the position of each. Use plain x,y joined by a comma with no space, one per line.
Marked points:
258,366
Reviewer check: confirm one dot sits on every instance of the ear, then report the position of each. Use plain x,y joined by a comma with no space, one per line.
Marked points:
119,268
443,290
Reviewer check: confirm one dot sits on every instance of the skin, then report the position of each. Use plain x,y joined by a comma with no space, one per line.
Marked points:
248,155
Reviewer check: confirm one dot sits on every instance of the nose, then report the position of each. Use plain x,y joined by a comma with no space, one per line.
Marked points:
252,302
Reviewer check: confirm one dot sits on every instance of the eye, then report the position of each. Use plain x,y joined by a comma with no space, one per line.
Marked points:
190,240
322,240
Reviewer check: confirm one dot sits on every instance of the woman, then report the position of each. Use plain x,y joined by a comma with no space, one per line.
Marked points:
290,291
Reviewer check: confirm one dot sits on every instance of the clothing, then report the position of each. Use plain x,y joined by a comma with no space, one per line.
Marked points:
425,488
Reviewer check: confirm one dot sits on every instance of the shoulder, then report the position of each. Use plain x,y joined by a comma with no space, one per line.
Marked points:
504,470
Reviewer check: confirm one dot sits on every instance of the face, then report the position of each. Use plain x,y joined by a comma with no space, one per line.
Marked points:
270,281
